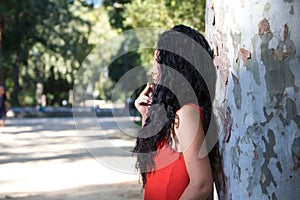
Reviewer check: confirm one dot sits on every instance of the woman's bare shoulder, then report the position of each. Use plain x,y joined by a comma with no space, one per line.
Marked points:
187,116
187,110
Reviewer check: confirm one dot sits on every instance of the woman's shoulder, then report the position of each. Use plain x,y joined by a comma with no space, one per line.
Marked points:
187,112
188,124
189,109
190,113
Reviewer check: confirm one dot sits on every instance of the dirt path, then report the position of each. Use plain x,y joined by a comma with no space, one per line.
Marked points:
46,159
121,191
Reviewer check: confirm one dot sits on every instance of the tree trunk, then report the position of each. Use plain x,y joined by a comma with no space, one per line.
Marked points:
2,71
2,75
15,96
257,48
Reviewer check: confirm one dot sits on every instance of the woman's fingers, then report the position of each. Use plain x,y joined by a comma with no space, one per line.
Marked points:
143,99
146,98
147,90
143,102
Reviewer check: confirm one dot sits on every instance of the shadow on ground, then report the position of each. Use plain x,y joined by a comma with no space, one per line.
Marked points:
46,159
119,191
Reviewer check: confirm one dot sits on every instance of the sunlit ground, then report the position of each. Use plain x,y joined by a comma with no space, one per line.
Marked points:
45,159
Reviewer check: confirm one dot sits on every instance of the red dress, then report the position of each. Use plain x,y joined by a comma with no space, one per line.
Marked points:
170,177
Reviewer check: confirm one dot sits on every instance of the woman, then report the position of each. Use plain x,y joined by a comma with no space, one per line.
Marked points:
176,113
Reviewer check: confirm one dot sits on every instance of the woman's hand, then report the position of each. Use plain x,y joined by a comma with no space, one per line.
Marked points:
143,102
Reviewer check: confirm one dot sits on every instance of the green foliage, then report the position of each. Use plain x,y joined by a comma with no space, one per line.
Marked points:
116,10
165,14
156,13
46,41
126,14
38,35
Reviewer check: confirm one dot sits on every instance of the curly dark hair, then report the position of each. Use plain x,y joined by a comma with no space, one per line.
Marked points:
179,60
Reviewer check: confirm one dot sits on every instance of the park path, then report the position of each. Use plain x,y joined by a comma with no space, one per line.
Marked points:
47,158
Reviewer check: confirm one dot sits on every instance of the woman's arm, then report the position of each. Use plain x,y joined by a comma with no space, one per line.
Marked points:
191,136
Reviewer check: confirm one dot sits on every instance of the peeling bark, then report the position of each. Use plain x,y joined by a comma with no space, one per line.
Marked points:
296,153
264,27
257,57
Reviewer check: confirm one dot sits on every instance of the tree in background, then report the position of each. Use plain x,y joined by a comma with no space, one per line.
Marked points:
127,14
166,14
34,33
116,13
256,46
46,41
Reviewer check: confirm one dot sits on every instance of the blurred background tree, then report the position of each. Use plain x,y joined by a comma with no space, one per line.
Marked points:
44,42
127,14
38,36
157,13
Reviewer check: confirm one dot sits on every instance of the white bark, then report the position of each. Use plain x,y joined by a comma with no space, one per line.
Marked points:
257,48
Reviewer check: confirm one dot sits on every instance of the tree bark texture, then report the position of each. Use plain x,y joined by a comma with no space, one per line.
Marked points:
257,47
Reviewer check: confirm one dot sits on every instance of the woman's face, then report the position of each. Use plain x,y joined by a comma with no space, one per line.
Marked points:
155,71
